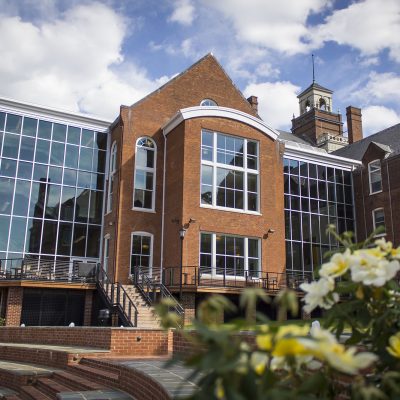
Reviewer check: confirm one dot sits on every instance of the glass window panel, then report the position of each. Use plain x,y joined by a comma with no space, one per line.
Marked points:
288,231
85,159
79,241
33,235
59,132
321,172
322,190
40,172
349,212
323,207
36,206
57,153
303,169
2,120
74,135
221,197
312,170
206,194
304,187
11,145
67,203
71,156
99,161
17,234
87,138
207,175
331,192
30,126
146,245
207,138
313,188
93,241
314,206
27,149
289,265
48,238
316,234
207,153
84,179
252,200
205,243
25,170
305,204
4,229
52,201
96,207
82,205
44,130
21,200
252,148
253,248
14,123
306,227
69,177
296,226
307,258
324,222
8,167
348,195
97,182
55,175
294,185
286,165
297,256
295,203
339,193
42,151
64,238
251,182
294,167
136,244
347,177
101,141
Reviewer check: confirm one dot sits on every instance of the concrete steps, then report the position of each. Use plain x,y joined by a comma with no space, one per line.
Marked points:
31,393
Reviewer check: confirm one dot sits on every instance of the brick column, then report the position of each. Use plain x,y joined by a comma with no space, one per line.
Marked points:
87,317
188,303
14,306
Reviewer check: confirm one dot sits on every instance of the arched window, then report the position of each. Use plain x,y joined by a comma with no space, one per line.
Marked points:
111,175
145,174
307,106
208,103
322,104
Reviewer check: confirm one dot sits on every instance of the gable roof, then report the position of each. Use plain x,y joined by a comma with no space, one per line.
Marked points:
389,138
316,86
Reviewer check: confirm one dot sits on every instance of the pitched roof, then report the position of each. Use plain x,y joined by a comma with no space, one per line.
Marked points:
389,138
316,86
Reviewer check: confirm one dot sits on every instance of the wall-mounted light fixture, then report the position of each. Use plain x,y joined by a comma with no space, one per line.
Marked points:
270,231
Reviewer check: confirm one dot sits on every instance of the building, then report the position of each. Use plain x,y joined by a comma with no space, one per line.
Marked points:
200,196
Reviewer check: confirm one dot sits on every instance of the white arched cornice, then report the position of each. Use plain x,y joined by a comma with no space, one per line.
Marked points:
219,112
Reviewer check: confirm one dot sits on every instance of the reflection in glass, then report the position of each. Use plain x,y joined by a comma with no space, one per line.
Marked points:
49,235
74,135
93,241
40,172
85,159
10,145
71,156
42,151
2,120
64,239
67,204
59,132
25,170
96,207
44,130
4,228
38,193
14,123
57,153
55,175
33,235
6,194
17,234
8,167
30,126
87,138
82,205
27,149
79,242
21,199
52,201
69,177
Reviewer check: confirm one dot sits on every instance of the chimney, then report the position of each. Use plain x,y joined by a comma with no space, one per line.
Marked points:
354,124
253,100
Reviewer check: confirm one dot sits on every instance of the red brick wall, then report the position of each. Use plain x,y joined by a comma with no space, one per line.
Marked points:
14,306
87,316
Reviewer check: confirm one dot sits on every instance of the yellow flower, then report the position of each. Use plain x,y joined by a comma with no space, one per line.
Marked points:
394,348
264,342
292,330
259,362
219,390
290,347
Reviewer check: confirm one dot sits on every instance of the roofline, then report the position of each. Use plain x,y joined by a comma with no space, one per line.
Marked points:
321,88
12,105
319,157
218,112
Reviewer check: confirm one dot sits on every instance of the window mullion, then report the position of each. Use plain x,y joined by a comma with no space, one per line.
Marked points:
213,254
246,255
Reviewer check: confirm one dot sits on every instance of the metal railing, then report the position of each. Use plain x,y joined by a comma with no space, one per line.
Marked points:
35,269
117,297
153,290
195,276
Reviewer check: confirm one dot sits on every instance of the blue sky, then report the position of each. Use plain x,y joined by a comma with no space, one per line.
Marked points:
92,56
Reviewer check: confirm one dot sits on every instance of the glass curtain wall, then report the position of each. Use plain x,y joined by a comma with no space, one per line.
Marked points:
51,189
315,196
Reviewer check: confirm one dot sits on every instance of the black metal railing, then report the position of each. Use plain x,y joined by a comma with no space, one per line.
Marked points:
33,268
153,290
195,276
117,297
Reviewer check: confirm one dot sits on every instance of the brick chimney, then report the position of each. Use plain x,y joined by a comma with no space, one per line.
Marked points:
253,100
354,124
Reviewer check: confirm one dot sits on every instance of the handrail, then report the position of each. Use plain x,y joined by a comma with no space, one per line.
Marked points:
114,292
149,288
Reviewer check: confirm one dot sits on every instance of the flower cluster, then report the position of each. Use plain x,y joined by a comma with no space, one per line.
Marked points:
370,267
309,348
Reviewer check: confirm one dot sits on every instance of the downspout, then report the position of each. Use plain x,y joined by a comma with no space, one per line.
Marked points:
362,189
163,209
354,205
390,200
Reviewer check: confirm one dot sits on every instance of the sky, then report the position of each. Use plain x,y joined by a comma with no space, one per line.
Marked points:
93,56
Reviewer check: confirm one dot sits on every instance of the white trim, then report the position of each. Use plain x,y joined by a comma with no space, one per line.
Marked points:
146,169
374,221
85,121
219,112
319,157
151,236
369,176
111,172
106,252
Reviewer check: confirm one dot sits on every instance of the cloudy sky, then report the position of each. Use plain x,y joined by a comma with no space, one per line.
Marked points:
92,56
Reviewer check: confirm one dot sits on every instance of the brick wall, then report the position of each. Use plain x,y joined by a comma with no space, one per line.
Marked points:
87,316
14,306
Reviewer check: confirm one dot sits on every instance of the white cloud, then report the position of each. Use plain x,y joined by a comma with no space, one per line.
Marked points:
277,25
370,26
376,118
266,70
184,12
384,87
276,102
71,61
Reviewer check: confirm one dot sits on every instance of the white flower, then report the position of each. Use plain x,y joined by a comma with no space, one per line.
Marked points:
319,294
372,270
384,245
338,265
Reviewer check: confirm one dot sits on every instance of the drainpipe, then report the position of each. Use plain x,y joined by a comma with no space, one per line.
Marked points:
362,189
390,201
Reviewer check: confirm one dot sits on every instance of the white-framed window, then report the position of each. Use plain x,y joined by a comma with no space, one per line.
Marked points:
111,176
229,172
145,175
375,176
208,103
378,217
106,253
142,252
230,255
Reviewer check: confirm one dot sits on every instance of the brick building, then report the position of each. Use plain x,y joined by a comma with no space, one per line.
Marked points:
200,196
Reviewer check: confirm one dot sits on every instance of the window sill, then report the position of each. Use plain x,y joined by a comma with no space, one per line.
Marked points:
146,210
380,235
379,191
226,209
